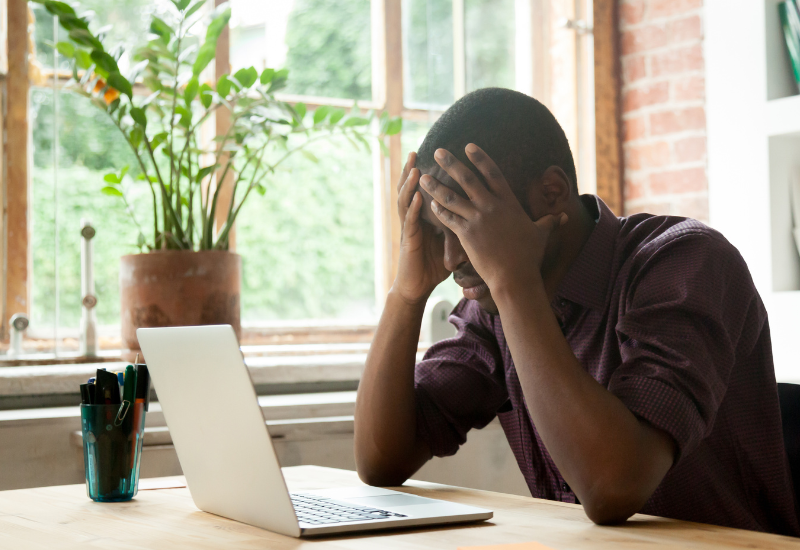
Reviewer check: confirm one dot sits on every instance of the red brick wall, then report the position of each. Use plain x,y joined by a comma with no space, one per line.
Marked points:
663,107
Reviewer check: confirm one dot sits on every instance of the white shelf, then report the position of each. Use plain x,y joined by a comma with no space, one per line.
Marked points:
753,114
783,116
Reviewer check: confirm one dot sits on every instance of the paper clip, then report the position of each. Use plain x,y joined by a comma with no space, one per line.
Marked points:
122,412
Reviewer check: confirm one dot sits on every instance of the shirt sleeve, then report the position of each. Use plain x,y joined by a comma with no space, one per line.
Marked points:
685,321
460,382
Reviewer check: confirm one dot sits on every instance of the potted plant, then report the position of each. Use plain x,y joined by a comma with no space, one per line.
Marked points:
184,273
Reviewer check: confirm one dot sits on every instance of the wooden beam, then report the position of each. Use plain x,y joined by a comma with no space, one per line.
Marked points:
387,75
222,65
607,104
15,214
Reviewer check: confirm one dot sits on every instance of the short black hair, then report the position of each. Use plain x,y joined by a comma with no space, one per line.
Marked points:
519,133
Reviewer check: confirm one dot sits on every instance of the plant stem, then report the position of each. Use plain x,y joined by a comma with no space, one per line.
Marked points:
165,203
146,177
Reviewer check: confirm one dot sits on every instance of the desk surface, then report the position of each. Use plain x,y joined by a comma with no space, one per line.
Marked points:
56,518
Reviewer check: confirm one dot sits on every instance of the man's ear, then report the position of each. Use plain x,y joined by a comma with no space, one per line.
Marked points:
551,193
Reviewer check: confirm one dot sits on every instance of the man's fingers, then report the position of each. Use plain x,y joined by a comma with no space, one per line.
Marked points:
406,193
550,222
465,177
446,196
452,221
410,162
491,173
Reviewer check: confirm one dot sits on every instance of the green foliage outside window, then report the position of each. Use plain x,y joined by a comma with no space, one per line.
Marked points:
307,244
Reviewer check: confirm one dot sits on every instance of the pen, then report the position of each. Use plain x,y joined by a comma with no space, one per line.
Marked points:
85,399
107,388
143,385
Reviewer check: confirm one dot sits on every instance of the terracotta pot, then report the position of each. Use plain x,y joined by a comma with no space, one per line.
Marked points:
178,288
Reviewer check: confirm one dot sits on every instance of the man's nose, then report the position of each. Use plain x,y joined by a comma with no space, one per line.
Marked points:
454,254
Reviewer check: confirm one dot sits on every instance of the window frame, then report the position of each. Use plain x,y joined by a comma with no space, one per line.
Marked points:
602,118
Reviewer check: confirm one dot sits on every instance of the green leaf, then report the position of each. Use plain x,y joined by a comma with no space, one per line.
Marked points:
112,178
336,116
136,137
85,38
206,170
246,77
355,121
321,113
158,139
83,59
261,189
70,22
140,240
139,117
185,114
105,62
119,82
193,8
267,75
278,80
205,54
59,8
206,95
309,155
123,172
218,23
111,191
224,86
185,202
191,90
395,126
300,111
181,4
66,49
208,49
159,27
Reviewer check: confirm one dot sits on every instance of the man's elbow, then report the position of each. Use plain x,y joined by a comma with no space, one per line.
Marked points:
381,478
607,507
374,470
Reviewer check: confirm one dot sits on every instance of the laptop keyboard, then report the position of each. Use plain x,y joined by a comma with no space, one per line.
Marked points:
320,511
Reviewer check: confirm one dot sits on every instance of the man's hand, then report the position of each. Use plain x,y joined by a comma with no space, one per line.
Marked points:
421,267
504,245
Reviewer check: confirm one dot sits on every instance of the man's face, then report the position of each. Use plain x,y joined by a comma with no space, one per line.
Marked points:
455,258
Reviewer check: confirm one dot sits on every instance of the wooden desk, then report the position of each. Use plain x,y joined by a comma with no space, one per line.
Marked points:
56,518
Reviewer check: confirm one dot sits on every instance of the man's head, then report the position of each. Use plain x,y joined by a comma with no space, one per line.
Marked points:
524,140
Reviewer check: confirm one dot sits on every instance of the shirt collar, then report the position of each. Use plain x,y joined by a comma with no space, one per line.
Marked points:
587,280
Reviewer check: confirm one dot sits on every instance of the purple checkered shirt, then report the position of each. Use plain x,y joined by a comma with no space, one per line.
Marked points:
661,311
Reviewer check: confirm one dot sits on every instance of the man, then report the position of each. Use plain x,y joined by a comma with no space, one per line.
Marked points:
628,359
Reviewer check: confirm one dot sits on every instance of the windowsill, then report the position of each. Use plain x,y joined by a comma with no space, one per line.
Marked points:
348,335
66,378
28,387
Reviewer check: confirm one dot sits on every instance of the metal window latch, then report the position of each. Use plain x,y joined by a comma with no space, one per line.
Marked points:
578,25
18,323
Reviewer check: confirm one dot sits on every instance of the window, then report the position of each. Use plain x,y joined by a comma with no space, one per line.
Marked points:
323,242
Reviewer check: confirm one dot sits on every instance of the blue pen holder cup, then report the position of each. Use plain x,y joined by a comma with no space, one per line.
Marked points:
112,450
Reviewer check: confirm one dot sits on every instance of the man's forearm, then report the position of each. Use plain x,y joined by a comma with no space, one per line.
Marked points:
612,460
386,448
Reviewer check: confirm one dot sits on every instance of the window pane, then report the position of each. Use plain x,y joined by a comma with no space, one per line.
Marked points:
427,53
489,42
428,37
126,24
307,244
325,45
89,146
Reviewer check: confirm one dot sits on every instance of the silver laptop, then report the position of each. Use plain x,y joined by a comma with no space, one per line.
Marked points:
226,453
